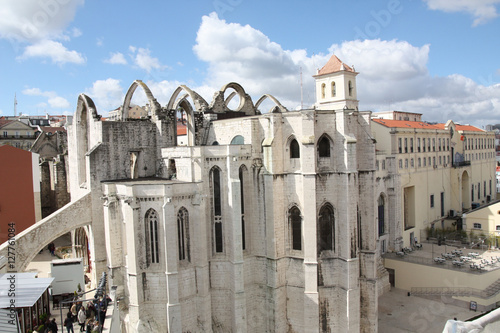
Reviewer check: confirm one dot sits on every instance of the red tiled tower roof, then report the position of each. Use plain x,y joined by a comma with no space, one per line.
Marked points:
334,65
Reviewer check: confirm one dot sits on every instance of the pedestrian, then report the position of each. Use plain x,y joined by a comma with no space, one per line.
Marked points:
68,323
81,319
52,248
53,325
73,312
89,324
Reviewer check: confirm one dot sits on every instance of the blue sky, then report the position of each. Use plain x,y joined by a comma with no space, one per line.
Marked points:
436,57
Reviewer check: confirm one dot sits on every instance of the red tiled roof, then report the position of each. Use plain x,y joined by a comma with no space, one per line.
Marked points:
405,124
4,121
420,124
50,129
181,129
334,65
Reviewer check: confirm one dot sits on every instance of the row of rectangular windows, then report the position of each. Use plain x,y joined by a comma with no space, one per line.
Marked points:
442,160
17,134
442,145
472,194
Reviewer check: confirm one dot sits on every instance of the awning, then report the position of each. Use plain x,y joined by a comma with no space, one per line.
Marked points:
23,288
7,323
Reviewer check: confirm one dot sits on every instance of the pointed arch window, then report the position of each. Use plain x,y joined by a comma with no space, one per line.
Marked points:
324,147
152,250
294,149
326,229
295,225
242,172
183,234
218,242
334,89
381,216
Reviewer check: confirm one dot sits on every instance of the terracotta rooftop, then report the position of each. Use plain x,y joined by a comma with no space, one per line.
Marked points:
420,124
181,129
50,129
334,65
4,121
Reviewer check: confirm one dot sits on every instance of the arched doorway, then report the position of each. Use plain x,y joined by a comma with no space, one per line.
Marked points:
81,248
466,200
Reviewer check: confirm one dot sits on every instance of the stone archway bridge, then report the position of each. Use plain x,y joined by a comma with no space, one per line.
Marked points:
29,242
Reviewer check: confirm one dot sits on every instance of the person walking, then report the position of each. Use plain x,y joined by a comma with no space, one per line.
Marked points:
53,325
82,318
68,323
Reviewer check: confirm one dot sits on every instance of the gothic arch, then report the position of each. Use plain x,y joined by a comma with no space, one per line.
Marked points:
324,145
188,108
272,98
382,216
219,104
200,105
326,228
156,108
85,113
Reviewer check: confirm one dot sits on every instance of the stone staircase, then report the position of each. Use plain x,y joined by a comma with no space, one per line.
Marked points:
382,278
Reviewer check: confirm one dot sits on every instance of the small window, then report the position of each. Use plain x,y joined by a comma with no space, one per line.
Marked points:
432,200
326,229
294,149
400,146
400,164
183,234
498,228
334,90
477,225
295,223
152,236
238,140
324,147
323,88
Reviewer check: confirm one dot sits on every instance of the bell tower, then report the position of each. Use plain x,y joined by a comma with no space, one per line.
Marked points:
336,86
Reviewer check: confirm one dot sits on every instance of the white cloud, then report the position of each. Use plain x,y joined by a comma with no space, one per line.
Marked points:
116,58
107,94
247,56
32,20
57,52
75,32
100,41
482,10
53,99
393,74
59,102
143,59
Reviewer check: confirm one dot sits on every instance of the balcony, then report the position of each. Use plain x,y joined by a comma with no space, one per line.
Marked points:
461,164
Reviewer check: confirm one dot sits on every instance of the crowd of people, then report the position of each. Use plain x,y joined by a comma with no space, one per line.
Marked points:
90,318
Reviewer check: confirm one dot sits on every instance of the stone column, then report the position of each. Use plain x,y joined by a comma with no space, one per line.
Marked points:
130,211
169,219
234,246
309,228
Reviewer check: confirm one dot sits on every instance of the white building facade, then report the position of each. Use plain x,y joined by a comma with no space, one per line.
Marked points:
261,223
